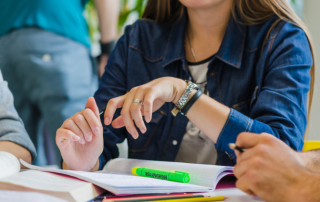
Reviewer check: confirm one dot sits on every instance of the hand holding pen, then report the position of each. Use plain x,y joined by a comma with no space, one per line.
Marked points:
80,139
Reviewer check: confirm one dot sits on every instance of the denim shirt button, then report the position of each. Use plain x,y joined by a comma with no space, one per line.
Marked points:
212,74
174,142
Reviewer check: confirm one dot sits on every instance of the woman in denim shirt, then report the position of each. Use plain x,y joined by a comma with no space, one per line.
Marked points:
258,62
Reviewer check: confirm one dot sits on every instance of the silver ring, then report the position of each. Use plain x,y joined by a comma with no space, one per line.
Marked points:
137,101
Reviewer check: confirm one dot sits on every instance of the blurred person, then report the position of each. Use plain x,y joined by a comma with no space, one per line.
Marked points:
275,172
45,49
251,59
13,136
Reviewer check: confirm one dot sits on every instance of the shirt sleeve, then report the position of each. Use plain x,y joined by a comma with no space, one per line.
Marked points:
281,106
11,126
113,84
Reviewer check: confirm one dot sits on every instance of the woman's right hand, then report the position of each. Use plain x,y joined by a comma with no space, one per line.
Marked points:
80,139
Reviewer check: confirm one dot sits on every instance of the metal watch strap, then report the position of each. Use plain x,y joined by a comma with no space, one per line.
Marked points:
185,96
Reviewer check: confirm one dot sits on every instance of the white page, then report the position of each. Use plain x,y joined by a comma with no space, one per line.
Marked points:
43,181
126,184
200,174
9,164
27,197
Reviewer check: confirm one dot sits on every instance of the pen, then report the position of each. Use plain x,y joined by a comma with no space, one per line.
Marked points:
175,176
235,147
100,113
216,198
151,198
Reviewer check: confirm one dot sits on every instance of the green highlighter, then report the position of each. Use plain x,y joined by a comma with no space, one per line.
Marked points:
175,176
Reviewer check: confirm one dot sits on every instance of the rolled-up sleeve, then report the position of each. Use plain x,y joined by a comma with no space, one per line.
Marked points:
281,105
11,126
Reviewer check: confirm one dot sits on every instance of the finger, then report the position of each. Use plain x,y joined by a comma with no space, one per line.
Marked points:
247,140
118,122
65,136
91,104
111,108
241,168
70,125
261,150
148,105
126,115
92,120
84,127
244,185
135,110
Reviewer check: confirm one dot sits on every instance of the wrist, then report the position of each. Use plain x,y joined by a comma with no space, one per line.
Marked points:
308,187
178,89
90,169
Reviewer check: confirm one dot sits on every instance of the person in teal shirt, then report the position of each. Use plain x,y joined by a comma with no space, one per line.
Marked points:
45,57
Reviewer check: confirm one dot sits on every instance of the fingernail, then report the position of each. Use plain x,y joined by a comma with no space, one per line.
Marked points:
106,120
147,119
96,131
89,138
142,130
134,135
76,138
82,141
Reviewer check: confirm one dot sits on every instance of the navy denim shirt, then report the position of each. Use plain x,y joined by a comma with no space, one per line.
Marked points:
264,80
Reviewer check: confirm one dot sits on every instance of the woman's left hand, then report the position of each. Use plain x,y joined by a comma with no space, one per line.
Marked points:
152,95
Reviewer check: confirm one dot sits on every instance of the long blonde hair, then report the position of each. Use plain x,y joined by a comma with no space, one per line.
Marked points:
250,12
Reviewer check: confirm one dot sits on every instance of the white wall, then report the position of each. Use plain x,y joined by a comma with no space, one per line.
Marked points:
311,16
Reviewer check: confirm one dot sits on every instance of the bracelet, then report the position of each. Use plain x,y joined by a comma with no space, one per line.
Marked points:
106,48
183,99
192,100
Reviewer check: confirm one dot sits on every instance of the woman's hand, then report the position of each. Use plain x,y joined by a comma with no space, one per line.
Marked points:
153,95
80,139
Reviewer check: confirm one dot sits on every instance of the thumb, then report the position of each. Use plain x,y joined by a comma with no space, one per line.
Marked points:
91,104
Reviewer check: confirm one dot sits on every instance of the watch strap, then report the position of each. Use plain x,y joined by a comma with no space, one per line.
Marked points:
191,101
185,96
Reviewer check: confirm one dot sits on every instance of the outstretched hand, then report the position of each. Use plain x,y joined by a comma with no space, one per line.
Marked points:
152,95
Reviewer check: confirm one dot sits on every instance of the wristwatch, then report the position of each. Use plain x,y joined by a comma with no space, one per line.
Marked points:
185,96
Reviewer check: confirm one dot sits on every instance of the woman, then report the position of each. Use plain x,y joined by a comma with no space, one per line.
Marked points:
255,63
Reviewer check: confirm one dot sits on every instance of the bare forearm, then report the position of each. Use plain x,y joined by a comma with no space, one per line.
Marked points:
17,150
206,113
209,116
108,12
311,160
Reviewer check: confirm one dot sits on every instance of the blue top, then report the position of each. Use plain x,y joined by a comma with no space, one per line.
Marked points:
63,17
264,84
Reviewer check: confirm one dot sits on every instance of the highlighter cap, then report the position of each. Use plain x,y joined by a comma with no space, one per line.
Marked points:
134,170
178,176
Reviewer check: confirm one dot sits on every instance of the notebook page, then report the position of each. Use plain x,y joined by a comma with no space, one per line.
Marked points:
27,197
44,181
9,164
126,184
200,174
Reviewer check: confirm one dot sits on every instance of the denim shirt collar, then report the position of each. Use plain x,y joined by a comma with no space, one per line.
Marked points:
230,51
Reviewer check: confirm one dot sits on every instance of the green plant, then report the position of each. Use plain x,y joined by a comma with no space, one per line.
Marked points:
126,10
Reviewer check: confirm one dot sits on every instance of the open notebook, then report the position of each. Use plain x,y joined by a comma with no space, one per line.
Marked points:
14,179
118,179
